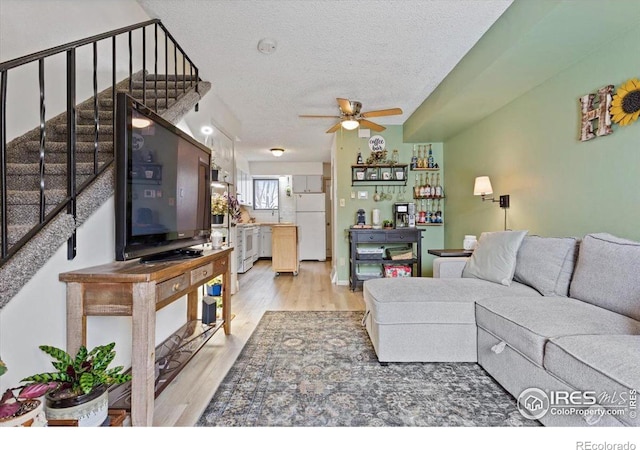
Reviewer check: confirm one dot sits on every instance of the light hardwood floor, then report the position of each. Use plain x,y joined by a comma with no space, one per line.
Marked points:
184,400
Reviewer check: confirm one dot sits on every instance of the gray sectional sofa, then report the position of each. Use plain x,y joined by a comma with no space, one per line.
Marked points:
560,316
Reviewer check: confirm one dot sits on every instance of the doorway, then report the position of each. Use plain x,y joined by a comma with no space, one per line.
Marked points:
328,210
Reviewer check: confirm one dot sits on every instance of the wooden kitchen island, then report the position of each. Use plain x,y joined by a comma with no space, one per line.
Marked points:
284,249
139,290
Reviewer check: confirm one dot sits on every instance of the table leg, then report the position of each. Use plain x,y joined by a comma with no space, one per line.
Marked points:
143,357
192,305
226,298
76,320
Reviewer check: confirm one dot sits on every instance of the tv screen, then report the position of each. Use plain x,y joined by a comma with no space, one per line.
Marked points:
162,191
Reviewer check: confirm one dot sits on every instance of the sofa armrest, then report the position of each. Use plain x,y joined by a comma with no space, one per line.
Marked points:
449,267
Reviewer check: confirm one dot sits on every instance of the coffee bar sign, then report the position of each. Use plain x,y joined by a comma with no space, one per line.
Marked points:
377,143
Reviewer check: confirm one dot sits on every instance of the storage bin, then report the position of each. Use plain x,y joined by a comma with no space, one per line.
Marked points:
214,290
369,253
395,271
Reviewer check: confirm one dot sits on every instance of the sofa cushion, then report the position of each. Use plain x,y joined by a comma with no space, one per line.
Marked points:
494,258
608,365
606,274
546,264
526,323
432,300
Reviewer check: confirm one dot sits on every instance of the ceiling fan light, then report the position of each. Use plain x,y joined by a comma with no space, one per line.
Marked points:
350,124
277,152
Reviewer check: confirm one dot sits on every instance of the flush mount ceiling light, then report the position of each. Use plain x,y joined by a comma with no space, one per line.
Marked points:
350,124
277,152
139,122
206,130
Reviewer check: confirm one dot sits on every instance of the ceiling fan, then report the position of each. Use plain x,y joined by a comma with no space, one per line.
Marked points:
351,117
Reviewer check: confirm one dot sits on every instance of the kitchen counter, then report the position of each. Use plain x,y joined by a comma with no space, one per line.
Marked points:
257,224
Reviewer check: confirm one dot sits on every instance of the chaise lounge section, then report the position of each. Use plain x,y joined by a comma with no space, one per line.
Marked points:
557,314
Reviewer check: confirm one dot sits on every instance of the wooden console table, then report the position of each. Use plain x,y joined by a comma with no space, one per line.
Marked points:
139,290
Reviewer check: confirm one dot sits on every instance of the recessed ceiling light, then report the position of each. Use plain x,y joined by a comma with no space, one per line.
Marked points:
206,130
277,152
139,122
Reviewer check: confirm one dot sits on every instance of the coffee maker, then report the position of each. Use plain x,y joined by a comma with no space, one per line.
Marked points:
405,215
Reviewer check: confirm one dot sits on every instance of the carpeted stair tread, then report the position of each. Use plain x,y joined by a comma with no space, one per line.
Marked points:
170,77
151,102
61,147
160,84
53,196
50,169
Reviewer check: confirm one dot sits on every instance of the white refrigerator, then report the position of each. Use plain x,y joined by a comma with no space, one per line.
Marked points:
310,218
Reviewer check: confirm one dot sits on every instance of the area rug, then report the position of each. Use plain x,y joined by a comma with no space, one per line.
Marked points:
319,369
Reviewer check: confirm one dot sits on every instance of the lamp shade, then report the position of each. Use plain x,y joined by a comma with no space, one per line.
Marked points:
277,151
482,186
350,124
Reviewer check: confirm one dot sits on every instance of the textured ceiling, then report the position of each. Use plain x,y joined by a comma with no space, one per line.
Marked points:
384,54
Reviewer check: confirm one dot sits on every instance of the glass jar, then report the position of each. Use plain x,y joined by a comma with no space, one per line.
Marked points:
469,242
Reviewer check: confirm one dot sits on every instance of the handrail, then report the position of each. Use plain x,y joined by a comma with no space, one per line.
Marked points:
12,63
73,189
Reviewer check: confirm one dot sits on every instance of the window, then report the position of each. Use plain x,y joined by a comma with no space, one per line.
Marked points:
265,193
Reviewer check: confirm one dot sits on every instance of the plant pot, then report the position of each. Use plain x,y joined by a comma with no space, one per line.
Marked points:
217,219
90,410
30,415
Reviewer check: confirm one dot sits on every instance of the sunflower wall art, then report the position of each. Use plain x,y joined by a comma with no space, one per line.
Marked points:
623,109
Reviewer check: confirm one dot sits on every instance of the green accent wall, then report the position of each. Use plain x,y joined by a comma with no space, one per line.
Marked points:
348,144
559,186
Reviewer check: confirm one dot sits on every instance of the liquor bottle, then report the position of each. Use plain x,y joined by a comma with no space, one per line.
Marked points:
419,162
439,190
414,159
359,158
426,187
432,187
416,188
430,163
438,214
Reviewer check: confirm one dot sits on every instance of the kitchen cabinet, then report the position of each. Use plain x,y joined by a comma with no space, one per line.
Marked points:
362,239
244,192
307,183
284,241
265,241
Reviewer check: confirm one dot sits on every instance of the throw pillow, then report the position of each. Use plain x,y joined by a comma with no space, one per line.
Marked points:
494,258
546,264
606,274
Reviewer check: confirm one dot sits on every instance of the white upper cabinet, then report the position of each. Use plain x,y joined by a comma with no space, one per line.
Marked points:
307,183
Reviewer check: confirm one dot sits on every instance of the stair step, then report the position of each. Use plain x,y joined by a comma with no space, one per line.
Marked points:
161,84
151,103
86,116
26,177
61,147
27,214
162,77
52,196
56,152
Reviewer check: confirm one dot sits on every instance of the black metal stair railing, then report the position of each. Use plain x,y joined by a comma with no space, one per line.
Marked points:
72,189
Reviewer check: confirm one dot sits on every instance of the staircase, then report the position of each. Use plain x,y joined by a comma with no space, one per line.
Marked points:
36,180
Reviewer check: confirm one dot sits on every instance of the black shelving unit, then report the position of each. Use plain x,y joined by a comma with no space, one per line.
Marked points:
383,238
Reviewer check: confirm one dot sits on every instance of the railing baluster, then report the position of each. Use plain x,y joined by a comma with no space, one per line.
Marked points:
130,66
43,136
166,71
155,68
144,65
3,162
175,70
96,115
71,146
190,74
197,81
184,74
113,94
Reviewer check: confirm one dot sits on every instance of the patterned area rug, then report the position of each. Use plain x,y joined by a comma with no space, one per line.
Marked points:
320,369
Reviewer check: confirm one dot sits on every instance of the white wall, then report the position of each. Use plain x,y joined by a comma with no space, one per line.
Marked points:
37,314
257,168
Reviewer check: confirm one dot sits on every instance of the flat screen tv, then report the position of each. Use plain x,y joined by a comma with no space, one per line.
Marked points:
162,190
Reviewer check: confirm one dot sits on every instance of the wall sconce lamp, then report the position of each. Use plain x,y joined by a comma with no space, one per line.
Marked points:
483,188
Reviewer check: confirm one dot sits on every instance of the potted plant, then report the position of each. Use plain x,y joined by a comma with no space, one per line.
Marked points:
21,406
219,207
83,384
387,224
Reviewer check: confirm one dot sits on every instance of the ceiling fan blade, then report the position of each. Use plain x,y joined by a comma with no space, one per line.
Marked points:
334,128
311,116
368,124
382,112
345,106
